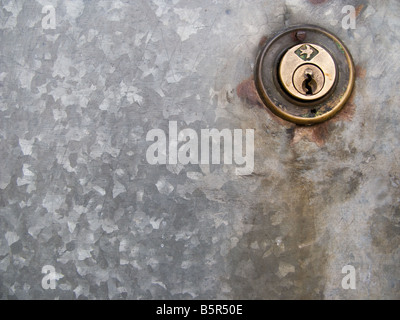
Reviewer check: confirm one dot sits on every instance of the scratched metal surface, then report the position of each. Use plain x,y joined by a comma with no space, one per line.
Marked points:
77,193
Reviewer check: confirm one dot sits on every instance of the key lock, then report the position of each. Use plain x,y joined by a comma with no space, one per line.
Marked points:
304,75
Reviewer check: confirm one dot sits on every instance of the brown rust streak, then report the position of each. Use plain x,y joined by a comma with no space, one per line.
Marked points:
360,72
320,133
359,9
317,134
262,42
247,91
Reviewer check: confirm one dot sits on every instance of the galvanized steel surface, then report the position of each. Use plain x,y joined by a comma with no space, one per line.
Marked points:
77,193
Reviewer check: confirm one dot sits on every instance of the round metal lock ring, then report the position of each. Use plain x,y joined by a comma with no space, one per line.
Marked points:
291,107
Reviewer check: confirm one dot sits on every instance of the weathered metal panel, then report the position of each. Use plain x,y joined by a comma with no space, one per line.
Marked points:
77,192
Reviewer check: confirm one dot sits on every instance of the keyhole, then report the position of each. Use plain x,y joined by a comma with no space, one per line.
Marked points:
309,84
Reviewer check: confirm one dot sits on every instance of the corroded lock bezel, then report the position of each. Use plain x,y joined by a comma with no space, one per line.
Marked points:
279,101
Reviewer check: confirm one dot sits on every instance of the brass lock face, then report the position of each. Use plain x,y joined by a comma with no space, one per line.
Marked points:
304,74
307,71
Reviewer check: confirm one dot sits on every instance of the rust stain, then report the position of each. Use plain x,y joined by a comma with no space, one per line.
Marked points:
247,91
262,42
319,133
360,72
348,111
359,9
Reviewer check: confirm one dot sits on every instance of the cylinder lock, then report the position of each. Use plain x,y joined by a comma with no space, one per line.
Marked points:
304,75
307,71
